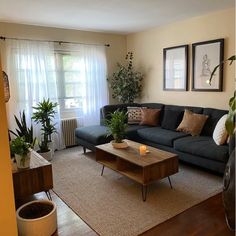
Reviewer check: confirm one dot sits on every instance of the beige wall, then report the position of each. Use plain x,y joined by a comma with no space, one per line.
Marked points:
7,206
115,53
148,53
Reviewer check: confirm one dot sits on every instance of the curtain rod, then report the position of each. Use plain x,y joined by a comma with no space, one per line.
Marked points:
53,41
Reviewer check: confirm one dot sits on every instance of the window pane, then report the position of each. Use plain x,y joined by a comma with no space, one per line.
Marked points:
72,76
73,103
72,90
71,62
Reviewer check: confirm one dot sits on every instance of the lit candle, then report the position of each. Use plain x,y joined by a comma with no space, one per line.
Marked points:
142,150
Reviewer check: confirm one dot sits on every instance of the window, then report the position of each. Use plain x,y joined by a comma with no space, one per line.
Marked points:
71,86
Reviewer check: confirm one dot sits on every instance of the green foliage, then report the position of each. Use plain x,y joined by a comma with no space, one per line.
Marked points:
23,130
230,121
20,146
44,114
117,125
126,83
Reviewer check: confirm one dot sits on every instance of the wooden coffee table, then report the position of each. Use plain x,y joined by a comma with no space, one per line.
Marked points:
155,165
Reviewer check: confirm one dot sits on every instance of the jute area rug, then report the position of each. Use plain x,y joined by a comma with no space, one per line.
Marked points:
112,204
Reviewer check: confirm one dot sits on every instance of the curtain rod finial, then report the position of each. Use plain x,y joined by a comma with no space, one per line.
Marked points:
107,45
3,38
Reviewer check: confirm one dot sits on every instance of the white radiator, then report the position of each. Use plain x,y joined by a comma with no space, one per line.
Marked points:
68,131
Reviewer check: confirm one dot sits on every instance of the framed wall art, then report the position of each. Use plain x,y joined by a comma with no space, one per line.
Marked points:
205,56
175,68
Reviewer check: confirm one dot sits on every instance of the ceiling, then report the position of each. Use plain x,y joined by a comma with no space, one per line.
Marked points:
113,16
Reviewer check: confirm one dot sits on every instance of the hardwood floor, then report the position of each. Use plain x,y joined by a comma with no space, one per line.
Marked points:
204,219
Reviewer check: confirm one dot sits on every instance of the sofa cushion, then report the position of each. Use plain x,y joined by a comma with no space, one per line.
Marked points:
192,123
220,134
108,109
203,146
178,112
131,132
134,115
150,116
95,134
171,119
160,136
214,116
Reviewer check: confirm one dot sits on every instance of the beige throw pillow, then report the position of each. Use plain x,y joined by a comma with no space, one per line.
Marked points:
150,117
134,115
192,123
220,134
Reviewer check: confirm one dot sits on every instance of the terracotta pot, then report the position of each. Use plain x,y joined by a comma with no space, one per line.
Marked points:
23,162
45,225
119,145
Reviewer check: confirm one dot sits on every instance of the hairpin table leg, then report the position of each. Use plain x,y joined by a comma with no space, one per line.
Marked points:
48,195
102,170
144,192
170,182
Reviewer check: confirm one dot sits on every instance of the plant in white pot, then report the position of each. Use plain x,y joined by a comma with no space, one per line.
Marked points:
117,125
21,150
44,114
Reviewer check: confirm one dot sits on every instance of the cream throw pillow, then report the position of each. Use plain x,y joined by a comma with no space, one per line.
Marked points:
134,115
220,134
192,123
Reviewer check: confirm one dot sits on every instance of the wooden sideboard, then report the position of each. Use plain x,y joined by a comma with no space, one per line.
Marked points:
35,179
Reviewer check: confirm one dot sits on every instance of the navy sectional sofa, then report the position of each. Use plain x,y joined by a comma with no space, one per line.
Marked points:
198,150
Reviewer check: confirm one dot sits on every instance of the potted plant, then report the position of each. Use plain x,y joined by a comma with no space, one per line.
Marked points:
44,114
117,128
126,83
229,175
23,130
21,149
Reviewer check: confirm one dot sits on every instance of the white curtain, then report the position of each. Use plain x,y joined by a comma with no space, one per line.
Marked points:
31,69
92,65
94,71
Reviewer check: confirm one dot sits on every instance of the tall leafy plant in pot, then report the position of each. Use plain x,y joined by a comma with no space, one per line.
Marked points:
23,130
126,82
44,114
229,174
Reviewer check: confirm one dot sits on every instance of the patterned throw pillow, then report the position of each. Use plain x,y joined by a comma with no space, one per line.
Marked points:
220,134
150,117
134,115
192,123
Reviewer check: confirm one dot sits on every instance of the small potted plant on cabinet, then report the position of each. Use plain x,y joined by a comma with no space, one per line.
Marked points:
117,127
44,114
21,150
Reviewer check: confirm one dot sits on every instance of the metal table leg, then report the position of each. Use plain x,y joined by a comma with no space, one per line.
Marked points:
48,195
170,182
144,192
102,170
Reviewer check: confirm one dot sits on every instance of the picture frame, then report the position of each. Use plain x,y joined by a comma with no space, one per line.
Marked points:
205,57
175,72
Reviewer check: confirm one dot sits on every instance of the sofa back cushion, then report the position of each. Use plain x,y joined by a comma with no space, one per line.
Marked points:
108,109
173,115
214,116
